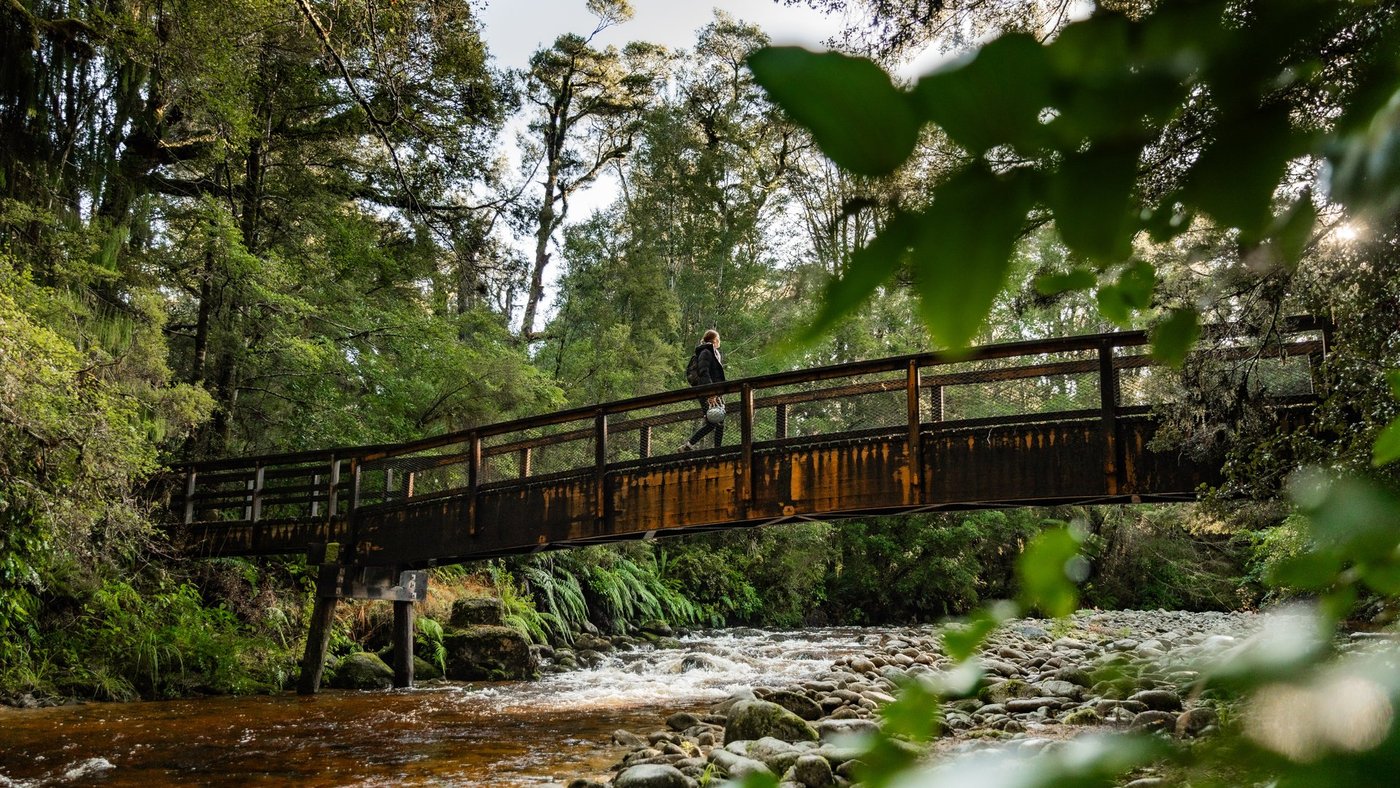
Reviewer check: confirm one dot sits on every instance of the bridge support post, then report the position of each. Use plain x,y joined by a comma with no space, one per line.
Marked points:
1108,420
318,638
403,644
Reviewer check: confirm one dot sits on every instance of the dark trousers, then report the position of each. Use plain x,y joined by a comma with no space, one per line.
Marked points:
707,427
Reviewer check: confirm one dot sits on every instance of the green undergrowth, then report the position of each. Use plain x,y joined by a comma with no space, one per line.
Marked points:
156,634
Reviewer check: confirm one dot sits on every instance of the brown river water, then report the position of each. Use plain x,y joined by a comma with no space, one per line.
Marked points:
499,734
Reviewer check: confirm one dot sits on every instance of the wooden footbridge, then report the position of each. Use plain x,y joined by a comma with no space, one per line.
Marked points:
1060,421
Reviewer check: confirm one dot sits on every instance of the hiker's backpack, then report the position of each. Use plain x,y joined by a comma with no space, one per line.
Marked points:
692,368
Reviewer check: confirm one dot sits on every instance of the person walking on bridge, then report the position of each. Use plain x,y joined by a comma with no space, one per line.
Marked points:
707,366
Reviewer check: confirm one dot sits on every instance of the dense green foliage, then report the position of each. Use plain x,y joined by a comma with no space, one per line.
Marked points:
1269,104
300,235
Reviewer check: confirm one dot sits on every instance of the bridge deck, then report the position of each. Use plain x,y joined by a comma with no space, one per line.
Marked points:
1067,420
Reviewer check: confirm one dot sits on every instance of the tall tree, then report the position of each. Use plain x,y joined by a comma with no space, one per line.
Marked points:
586,104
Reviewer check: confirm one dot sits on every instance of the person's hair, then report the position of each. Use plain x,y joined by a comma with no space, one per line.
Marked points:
710,336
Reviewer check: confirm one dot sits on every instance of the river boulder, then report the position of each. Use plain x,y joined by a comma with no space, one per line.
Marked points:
489,653
754,719
424,670
652,775
477,611
813,771
362,671
737,766
797,703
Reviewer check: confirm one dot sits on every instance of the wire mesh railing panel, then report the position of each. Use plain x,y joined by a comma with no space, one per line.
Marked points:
403,476
294,492
1145,385
1007,387
805,410
1282,376
225,497
1020,397
537,451
663,430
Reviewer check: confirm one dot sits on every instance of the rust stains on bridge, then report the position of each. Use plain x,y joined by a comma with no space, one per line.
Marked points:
1061,421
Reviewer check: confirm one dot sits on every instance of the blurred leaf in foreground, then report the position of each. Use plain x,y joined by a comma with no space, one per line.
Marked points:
1049,570
855,113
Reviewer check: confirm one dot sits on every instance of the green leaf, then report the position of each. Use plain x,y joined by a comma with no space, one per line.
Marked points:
1235,177
1173,338
915,714
758,780
1106,89
994,99
868,267
1092,50
1383,578
963,251
1310,571
1089,195
1392,377
1044,572
1387,447
961,642
855,113
1365,165
1357,518
1053,284
1293,232
1132,291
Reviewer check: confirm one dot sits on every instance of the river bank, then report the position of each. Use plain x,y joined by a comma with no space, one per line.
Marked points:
666,707
1047,681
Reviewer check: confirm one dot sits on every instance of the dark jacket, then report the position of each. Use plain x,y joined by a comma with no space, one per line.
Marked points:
711,366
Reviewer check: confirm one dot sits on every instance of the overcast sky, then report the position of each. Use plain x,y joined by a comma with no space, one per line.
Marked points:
516,28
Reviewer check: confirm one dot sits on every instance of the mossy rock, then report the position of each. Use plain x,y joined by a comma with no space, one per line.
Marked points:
751,720
362,671
489,653
425,670
1084,716
477,611
1006,690
797,703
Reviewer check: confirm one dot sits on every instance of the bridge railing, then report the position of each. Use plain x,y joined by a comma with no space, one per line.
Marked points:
1102,376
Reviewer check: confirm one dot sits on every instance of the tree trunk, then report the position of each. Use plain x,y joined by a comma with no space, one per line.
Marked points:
547,222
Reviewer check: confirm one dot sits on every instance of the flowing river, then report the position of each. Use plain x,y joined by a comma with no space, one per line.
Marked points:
501,734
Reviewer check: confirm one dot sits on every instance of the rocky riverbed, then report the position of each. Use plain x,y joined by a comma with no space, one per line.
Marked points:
1045,681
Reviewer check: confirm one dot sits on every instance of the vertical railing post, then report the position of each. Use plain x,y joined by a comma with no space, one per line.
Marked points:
600,465
250,486
780,421
315,495
746,469
915,436
525,456
473,479
259,477
333,489
352,524
388,484
1108,417
644,442
190,483
355,477
408,485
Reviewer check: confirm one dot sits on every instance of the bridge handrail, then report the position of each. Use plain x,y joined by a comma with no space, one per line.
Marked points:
254,471
847,369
